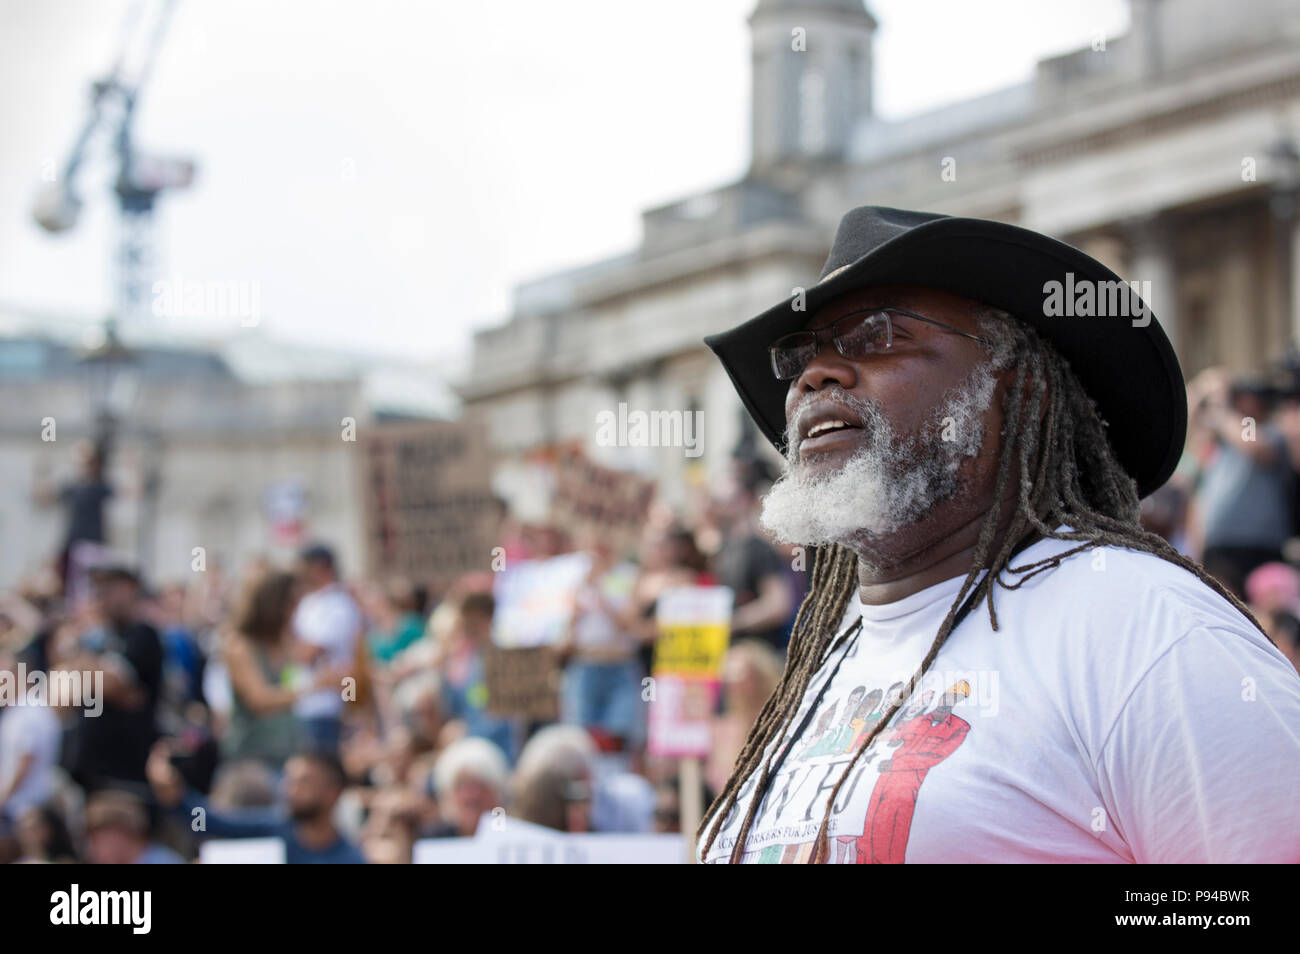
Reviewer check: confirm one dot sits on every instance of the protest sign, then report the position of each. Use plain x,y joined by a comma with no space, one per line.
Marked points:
610,502
427,500
523,682
242,851
534,600
504,841
694,625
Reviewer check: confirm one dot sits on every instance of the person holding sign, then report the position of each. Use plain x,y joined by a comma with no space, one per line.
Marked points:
464,675
602,679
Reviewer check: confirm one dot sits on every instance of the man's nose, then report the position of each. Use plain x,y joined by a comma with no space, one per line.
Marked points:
826,367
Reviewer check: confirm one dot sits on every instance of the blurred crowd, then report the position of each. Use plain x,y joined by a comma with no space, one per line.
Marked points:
1233,504
349,717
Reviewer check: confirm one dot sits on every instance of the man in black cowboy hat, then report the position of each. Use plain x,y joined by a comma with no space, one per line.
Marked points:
947,424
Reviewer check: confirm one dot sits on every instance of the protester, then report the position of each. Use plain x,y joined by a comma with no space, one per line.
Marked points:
470,781
1273,592
748,563
391,828
464,675
395,619
1246,495
117,833
43,837
750,673
313,782
83,499
969,468
182,656
602,678
113,746
258,656
669,558
328,625
30,736
553,782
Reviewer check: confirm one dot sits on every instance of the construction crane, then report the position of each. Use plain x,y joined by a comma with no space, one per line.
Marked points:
140,177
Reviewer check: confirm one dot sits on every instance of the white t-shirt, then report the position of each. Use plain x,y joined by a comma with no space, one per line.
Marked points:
593,628
1122,712
328,618
28,729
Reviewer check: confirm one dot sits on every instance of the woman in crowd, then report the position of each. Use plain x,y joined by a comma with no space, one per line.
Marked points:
258,657
669,557
395,620
602,678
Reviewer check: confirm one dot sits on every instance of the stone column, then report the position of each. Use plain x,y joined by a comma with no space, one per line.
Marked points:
1151,259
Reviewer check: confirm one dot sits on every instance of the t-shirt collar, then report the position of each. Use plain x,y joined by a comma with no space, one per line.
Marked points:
919,600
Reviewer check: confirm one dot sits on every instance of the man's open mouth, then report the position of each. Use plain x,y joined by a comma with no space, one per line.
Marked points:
826,427
829,435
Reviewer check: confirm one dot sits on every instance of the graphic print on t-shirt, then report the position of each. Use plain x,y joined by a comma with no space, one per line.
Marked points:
923,742
921,735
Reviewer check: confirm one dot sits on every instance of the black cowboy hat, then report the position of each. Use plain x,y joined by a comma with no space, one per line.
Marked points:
1123,360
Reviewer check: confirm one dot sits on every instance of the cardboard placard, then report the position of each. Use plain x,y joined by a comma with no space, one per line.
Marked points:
589,496
427,499
523,683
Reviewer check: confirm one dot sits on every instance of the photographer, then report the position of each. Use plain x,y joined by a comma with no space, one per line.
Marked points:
1246,494
114,746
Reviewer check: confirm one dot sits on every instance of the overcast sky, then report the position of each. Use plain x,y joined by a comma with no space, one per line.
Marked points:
386,171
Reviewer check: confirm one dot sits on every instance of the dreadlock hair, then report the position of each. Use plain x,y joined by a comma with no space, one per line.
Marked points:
1067,474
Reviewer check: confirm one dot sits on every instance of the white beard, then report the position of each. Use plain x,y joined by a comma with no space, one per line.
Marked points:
890,483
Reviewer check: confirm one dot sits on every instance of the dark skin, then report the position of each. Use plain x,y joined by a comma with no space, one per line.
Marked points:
907,382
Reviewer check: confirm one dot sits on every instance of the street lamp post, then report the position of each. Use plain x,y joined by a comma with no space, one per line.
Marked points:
110,385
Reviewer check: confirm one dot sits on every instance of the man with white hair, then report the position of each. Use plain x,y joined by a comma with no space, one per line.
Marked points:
563,781
946,430
470,778
554,779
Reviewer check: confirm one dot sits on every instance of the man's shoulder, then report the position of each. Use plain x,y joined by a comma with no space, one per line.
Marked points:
331,603
1123,570
336,598
1107,627
1122,591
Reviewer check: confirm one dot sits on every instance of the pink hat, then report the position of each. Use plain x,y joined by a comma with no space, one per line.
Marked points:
1274,584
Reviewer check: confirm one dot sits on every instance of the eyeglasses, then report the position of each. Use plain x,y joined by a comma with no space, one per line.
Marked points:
856,335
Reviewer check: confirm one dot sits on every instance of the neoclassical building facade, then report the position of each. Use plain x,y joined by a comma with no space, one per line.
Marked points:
1169,153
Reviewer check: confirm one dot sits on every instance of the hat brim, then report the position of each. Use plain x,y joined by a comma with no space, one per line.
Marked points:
1128,368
